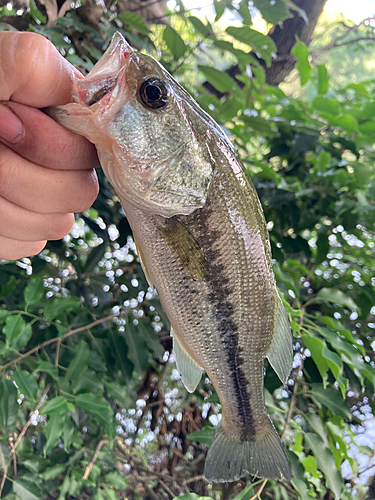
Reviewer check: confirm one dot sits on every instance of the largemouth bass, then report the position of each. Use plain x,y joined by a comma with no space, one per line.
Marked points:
202,241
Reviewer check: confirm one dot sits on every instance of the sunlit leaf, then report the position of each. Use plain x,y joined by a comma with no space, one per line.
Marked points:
174,42
301,52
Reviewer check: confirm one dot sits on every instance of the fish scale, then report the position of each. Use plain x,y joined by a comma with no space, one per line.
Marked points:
203,243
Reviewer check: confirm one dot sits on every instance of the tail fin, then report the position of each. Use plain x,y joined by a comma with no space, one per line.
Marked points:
262,455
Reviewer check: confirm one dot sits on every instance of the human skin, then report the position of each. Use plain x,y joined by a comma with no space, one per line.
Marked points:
46,172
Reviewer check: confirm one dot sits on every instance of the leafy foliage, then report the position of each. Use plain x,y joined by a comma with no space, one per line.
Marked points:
90,404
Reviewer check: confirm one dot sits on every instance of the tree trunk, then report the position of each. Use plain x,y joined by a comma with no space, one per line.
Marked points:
284,36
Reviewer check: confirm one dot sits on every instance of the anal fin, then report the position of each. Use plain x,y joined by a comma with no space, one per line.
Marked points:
280,353
190,371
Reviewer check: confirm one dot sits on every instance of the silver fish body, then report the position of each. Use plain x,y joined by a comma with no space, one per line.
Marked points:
203,243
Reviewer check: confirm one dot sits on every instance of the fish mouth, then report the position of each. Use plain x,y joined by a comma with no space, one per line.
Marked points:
100,85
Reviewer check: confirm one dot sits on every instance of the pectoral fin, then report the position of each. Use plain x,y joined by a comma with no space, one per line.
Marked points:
185,248
280,353
190,372
142,261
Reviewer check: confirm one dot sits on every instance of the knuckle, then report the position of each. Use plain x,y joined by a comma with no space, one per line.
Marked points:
61,226
90,192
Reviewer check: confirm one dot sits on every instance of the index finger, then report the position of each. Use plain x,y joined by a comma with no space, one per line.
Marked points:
33,72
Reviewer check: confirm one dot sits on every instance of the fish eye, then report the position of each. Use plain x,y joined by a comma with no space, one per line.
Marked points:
154,93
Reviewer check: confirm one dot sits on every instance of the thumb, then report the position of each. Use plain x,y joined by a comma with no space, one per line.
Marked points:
33,72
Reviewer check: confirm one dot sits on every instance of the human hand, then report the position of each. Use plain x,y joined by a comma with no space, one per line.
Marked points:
46,172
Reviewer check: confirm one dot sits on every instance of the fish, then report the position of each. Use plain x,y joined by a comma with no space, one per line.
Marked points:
202,241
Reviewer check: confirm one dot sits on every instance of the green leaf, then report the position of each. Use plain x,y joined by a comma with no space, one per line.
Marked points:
301,53
137,350
322,244
110,493
47,367
174,42
8,403
347,122
67,434
326,463
326,105
57,306
331,399
4,314
199,26
301,488
53,431
26,384
53,472
273,11
260,43
117,480
55,406
96,253
323,79
13,329
134,21
336,296
120,392
316,346
34,291
96,406
9,287
246,494
243,10
79,363
27,489
99,495
220,80
203,436
219,9
5,456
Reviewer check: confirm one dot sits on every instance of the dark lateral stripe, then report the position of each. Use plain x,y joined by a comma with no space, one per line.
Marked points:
220,291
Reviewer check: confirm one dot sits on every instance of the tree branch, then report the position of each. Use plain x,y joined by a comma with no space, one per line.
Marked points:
94,458
28,423
57,339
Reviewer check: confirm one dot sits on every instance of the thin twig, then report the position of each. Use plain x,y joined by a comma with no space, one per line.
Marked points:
57,354
94,458
257,494
291,407
193,479
13,450
57,339
5,475
165,487
28,423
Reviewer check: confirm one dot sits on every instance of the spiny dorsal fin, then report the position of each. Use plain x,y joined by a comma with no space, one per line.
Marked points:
190,372
185,248
280,353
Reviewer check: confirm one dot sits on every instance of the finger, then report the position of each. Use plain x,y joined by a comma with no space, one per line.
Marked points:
43,141
44,190
33,72
20,224
14,249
